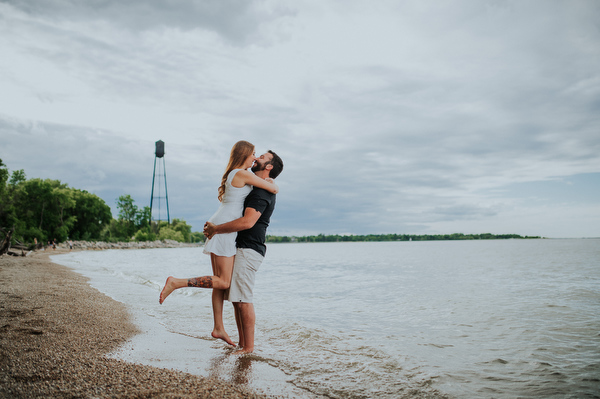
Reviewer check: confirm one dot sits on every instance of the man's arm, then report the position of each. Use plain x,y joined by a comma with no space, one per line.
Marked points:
247,221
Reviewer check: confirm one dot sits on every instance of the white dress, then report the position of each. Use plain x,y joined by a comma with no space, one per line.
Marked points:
231,208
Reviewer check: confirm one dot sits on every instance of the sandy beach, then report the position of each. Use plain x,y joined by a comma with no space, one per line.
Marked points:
55,332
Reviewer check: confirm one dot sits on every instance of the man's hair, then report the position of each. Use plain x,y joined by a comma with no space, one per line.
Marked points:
277,165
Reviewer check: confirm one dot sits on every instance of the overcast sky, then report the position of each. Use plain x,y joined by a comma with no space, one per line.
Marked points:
418,117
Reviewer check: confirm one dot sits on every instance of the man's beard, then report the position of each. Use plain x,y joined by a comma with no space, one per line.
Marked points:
257,167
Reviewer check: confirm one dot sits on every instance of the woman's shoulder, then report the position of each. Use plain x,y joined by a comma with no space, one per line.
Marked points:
235,172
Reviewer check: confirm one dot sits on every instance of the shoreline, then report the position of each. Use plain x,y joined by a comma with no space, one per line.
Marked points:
56,332
100,245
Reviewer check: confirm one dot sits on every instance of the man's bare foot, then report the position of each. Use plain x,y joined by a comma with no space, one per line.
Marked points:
167,289
242,351
222,335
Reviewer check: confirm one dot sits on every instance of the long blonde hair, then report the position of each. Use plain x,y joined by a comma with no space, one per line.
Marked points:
240,151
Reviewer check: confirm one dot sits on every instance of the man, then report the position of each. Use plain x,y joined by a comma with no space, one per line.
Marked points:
251,249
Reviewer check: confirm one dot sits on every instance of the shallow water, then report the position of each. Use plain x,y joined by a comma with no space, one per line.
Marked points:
465,319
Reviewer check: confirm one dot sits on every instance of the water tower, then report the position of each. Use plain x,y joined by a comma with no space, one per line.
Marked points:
158,183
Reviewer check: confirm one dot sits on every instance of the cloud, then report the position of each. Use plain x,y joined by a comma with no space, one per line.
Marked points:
237,21
390,117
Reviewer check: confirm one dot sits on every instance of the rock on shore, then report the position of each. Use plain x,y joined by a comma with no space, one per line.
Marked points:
85,245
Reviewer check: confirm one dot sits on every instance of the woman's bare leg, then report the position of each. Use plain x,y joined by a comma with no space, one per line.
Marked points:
173,284
222,268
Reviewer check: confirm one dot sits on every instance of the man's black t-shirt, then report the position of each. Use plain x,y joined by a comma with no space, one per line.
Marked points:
255,237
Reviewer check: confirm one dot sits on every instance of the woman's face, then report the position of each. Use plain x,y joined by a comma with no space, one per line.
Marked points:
250,160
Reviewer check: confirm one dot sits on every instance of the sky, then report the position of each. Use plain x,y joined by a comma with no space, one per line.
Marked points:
407,117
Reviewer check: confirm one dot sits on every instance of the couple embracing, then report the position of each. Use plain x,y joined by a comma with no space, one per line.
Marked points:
236,236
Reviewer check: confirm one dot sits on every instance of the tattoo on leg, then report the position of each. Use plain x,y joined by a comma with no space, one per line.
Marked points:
200,282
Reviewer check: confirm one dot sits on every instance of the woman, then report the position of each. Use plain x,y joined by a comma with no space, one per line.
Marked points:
236,184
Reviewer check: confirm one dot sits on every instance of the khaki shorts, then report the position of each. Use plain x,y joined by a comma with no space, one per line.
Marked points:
246,264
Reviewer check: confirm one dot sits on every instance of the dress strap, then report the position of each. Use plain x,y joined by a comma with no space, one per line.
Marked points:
232,175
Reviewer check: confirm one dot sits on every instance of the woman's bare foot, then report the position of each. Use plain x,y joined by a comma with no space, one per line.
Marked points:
167,289
224,336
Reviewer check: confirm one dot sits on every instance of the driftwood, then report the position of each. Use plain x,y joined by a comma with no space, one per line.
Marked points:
5,244
11,253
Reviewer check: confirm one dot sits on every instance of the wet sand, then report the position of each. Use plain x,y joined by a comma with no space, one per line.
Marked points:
55,332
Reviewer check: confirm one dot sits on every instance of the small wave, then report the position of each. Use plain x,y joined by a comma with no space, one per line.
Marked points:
328,364
441,346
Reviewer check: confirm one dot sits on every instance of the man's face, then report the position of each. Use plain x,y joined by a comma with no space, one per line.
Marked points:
262,162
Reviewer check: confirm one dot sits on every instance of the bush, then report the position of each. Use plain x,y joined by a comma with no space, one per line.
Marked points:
197,237
167,233
145,236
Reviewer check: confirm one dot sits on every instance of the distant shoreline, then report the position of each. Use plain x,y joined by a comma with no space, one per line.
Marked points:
398,237
102,245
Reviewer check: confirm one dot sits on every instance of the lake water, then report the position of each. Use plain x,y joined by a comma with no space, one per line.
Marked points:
457,319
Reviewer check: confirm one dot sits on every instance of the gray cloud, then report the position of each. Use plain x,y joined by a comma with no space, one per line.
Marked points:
237,21
396,117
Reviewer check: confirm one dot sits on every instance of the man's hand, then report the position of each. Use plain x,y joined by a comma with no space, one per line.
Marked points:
246,222
209,230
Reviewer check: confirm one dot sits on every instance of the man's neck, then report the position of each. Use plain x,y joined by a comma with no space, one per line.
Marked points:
263,174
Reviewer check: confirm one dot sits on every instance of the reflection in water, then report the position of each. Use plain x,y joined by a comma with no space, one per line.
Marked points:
255,372
234,368
242,371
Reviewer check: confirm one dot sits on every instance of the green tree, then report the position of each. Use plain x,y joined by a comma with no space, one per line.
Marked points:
7,211
127,215
17,177
127,208
116,230
142,218
182,227
91,216
42,209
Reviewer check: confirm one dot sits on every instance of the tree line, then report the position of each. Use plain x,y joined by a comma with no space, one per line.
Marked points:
395,237
46,210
